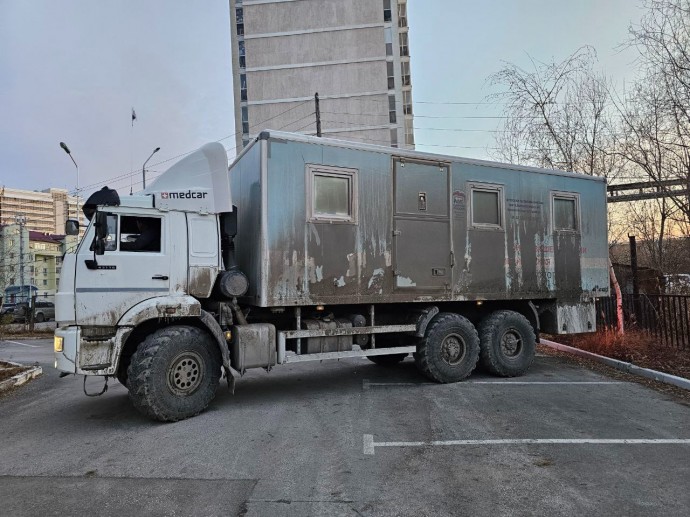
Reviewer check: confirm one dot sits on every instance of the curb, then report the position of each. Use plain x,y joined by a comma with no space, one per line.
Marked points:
666,378
20,378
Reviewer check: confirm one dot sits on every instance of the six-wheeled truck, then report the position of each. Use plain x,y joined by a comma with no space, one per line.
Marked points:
327,249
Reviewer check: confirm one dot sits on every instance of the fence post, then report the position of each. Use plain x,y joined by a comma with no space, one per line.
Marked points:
635,279
32,313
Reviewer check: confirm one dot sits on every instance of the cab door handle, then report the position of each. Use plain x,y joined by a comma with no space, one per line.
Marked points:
159,277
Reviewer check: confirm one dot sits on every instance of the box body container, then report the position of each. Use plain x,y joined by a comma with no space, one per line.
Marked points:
323,222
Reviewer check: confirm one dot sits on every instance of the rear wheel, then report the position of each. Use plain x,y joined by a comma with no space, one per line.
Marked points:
174,373
449,350
39,318
508,343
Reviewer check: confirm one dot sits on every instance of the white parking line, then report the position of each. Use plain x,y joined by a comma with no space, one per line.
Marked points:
370,444
366,384
21,344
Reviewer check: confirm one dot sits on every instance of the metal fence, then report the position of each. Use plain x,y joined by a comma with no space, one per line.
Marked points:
664,316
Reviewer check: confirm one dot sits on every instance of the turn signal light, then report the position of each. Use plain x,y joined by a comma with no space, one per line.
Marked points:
57,343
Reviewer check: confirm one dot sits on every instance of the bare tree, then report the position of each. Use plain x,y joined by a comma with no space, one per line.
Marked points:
558,115
656,116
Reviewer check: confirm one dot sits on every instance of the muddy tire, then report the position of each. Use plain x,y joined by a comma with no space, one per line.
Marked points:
174,373
507,343
449,350
121,376
387,360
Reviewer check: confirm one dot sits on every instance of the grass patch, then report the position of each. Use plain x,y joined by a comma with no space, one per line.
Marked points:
636,347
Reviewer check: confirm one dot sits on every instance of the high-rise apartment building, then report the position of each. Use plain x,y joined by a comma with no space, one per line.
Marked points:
44,211
353,53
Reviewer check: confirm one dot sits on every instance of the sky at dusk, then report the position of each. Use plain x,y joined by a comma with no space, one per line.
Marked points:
72,70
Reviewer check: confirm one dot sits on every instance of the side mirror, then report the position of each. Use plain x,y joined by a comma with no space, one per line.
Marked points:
99,247
101,225
71,227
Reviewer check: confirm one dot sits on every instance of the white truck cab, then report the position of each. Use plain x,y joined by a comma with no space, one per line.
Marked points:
144,261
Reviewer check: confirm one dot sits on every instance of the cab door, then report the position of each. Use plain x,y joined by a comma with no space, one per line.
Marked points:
108,285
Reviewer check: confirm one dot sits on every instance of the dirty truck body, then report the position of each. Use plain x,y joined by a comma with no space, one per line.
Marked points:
329,249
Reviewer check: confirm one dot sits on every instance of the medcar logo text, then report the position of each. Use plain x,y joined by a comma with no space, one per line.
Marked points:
183,195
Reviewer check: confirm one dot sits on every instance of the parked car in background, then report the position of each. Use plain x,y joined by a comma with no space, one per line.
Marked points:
677,284
7,309
44,311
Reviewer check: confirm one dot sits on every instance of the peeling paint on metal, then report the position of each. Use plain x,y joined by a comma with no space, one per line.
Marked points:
376,278
403,281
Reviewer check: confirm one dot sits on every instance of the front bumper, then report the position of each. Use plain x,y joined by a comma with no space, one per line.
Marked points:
90,355
66,360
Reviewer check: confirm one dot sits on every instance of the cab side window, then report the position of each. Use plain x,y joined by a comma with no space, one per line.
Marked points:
140,234
111,238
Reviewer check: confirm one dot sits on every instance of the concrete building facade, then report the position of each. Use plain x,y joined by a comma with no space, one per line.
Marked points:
30,262
44,211
353,53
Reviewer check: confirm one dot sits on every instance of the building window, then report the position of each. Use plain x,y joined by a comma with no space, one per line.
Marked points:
391,75
387,14
487,206
394,138
391,109
45,270
243,63
404,48
239,17
333,194
245,120
407,102
402,15
45,282
565,212
243,87
405,72
409,132
388,34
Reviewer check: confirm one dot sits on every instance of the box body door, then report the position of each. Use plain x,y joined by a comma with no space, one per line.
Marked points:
421,226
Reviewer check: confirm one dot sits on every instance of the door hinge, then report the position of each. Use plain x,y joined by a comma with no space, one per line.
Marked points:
396,233
452,259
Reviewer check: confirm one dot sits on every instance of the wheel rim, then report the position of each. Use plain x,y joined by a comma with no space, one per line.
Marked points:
511,343
453,349
185,373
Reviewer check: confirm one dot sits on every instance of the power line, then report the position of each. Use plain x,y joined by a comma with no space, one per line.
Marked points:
132,173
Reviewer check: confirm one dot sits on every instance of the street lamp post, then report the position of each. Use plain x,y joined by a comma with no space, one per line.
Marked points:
143,167
66,149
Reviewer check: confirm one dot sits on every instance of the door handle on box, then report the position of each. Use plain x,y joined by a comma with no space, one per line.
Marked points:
159,277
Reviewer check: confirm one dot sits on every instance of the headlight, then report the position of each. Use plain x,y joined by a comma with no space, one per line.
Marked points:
57,343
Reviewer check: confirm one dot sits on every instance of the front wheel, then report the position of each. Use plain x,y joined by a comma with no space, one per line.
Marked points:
449,350
174,373
508,343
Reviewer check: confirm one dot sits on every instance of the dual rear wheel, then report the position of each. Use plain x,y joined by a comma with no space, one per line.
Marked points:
504,345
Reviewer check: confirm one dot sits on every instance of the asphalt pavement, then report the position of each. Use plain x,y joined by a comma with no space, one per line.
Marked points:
348,438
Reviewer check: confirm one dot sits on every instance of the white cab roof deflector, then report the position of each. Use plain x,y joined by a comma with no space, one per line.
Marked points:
197,183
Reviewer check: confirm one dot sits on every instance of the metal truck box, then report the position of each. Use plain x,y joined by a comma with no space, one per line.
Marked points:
253,346
315,345
326,222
